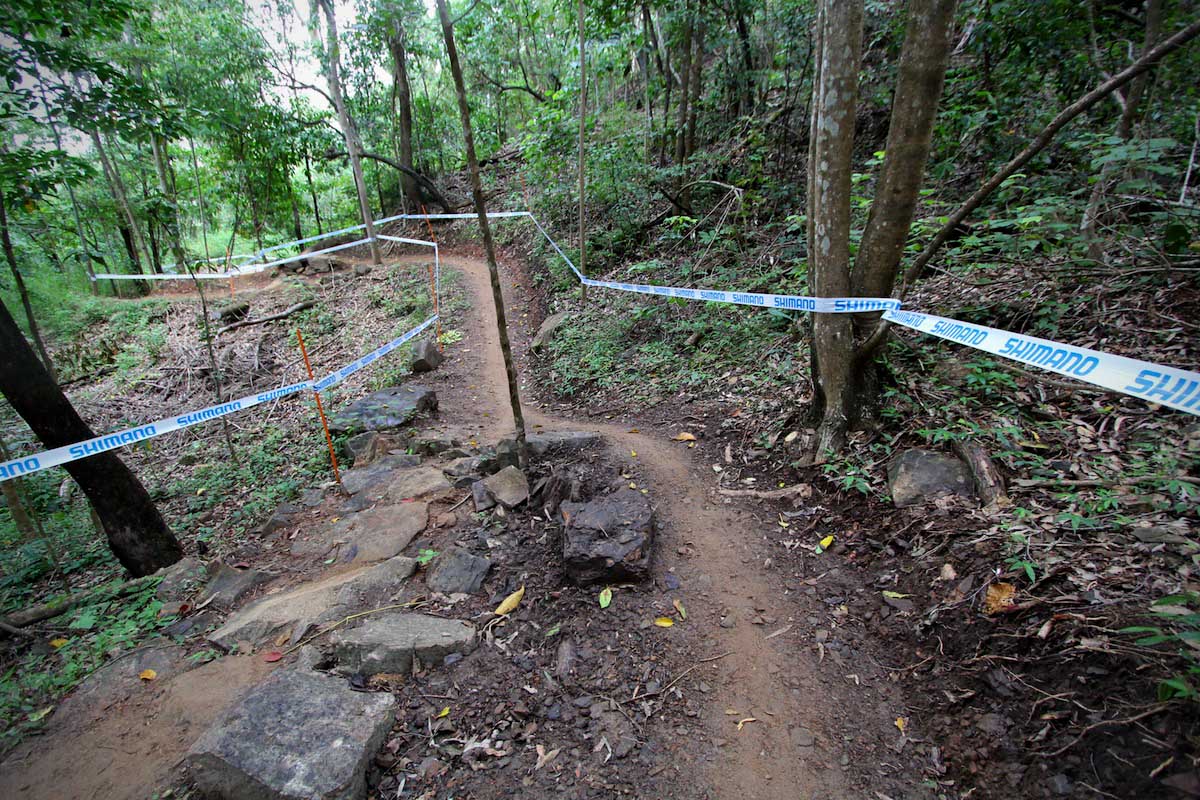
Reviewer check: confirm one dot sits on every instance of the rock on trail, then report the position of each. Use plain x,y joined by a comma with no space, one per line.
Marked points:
384,410
388,643
297,734
608,539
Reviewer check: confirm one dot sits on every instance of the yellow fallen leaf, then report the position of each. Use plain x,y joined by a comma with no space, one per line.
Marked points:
200,491
147,674
633,453
742,722
999,597
632,485
57,643
445,712
894,595
511,602
605,597
634,430
901,723
679,607
36,716
664,622
828,540
685,437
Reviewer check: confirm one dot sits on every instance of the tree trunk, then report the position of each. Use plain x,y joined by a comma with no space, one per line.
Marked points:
835,96
11,257
171,225
136,531
312,192
354,147
697,82
685,73
746,101
920,76
117,187
85,252
1130,111
582,160
403,97
514,394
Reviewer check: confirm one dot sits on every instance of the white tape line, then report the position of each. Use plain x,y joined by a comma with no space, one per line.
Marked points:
790,302
403,240
558,249
1168,386
102,444
236,272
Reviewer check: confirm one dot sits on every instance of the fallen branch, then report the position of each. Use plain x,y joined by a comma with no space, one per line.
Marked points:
54,608
799,490
287,312
988,483
1093,482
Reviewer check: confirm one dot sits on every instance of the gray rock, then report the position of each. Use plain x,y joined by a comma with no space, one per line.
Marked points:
362,270
611,725
326,600
994,724
180,580
919,475
547,331
360,478
431,444
364,448
376,534
227,585
509,486
298,734
457,570
506,455
482,497
312,498
387,643
282,517
1061,785
561,442
608,539
231,313
802,737
384,410
462,467
425,356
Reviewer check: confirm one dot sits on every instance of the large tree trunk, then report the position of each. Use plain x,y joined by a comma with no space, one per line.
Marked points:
685,73
921,74
835,96
514,394
136,531
11,257
403,95
333,68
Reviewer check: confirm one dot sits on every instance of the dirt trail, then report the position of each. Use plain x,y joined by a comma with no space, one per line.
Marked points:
762,762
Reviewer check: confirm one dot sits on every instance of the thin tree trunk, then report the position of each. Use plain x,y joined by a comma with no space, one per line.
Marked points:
746,101
582,161
835,95
171,226
680,137
697,82
200,197
85,251
136,531
349,131
920,76
403,97
1130,111
11,257
312,191
514,394
117,188
15,497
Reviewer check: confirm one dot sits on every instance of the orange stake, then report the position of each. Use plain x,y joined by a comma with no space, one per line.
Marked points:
320,410
433,285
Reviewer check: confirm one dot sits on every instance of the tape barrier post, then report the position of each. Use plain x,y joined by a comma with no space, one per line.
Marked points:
320,410
1169,386
435,280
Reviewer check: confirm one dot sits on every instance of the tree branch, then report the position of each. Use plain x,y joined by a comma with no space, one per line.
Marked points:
429,185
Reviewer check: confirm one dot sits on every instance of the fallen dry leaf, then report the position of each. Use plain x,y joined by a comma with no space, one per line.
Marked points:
664,622
684,437
999,597
511,602
901,723
272,656
147,674
679,607
742,722
57,643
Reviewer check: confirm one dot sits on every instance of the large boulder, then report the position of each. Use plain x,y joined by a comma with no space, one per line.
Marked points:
297,610
387,643
917,475
608,539
425,356
384,410
227,586
376,534
180,580
457,571
374,472
547,331
298,734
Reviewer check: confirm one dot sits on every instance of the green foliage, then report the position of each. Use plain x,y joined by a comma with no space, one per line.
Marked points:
1178,618
96,634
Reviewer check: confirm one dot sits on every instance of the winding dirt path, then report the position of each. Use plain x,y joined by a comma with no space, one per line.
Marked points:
758,678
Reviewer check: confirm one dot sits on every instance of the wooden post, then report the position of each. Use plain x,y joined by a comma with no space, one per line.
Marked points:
320,410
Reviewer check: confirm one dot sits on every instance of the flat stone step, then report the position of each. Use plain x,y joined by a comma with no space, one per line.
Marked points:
387,642
298,734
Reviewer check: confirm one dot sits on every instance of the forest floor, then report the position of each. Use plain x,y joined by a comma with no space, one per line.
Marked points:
861,669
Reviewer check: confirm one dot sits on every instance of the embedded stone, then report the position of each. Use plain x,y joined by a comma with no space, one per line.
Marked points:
388,642
608,539
918,475
384,410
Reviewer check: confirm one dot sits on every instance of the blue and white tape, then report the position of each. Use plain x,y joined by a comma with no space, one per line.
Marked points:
792,302
1169,386
102,444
